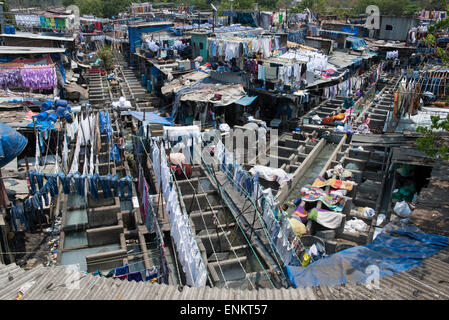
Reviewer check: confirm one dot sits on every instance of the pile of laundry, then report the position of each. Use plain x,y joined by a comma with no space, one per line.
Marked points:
339,171
122,103
270,174
356,225
50,112
334,183
311,194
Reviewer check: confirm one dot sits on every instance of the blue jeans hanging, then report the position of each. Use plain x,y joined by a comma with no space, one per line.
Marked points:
126,181
79,183
93,185
32,178
65,181
106,186
40,182
51,185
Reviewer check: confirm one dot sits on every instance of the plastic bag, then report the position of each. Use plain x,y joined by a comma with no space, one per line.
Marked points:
369,212
402,209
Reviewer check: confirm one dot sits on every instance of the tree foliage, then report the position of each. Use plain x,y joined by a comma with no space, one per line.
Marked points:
432,36
432,144
390,7
107,56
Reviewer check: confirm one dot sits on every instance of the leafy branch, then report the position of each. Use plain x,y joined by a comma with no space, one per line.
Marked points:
432,144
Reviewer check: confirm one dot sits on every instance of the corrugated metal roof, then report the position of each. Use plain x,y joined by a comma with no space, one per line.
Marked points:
429,281
29,50
30,35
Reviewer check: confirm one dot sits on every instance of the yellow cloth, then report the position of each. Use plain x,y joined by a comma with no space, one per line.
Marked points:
298,227
334,183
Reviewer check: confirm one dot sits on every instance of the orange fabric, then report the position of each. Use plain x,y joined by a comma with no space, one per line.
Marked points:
340,116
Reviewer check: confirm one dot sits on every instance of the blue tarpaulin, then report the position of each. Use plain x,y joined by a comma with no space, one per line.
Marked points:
354,30
246,100
12,144
357,43
395,249
151,118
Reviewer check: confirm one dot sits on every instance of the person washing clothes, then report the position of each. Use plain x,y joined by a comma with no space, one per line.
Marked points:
366,120
348,129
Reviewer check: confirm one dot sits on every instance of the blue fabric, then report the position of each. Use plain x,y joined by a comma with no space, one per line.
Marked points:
65,181
45,125
114,154
395,249
106,186
12,144
246,100
151,118
92,182
31,177
356,43
79,183
121,270
135,276
51,185
126,181
354,30
40,182
17,213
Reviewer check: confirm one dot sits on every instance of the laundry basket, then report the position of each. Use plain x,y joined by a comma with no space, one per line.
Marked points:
309,241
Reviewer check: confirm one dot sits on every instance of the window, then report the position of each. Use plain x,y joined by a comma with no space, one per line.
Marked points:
201,46
388,27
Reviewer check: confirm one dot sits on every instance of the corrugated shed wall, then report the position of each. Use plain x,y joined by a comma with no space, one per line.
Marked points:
400,27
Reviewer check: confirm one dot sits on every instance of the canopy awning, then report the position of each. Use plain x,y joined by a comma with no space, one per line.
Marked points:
246,100
150,118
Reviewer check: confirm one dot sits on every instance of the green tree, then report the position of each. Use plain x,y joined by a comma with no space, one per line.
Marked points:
67,3
113,7
432,144
433,4
433,33
389,7
90,7
107,56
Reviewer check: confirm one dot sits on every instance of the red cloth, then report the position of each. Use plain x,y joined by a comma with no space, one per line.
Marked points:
122,277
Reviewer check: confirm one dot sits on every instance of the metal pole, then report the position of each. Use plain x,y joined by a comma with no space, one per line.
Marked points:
2,18
232,18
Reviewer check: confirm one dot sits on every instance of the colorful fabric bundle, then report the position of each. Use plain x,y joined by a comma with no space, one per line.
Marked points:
333,202
300,214
334,183
328,219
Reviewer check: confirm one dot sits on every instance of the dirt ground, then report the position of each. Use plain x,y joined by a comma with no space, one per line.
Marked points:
31,248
